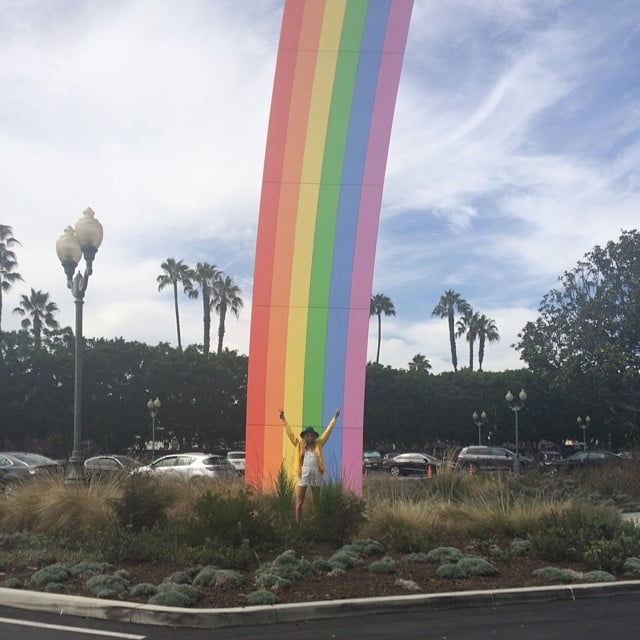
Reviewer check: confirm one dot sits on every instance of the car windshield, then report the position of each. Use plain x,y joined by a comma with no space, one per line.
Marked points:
236,455
33,459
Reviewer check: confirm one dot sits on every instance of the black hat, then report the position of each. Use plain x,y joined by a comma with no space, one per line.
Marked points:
306,430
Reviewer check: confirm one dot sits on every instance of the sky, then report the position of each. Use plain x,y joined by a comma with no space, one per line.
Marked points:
515,149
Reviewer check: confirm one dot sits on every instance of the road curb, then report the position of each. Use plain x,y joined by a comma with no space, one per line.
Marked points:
61,604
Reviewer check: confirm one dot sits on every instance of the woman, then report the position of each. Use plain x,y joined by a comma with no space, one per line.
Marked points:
309,464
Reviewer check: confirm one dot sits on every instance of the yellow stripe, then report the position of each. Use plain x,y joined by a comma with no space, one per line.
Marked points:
317,124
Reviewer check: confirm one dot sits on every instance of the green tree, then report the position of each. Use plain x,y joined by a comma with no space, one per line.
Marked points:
225,297
175,272
202,277
451,303
419,363
587,336
8,263
487,333
38,314
380,304
468,326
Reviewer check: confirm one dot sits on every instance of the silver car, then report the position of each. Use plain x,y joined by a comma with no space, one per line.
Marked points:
190,466
237,459
479,458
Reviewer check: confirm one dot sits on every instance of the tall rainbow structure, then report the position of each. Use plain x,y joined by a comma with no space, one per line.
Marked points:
335,87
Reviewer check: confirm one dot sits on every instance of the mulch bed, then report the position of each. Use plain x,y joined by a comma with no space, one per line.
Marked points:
358,582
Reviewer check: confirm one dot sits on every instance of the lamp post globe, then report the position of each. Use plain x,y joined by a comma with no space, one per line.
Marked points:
480,421
83,240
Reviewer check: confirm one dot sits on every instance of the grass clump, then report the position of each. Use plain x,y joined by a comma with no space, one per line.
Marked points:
262,596
385,565
171,594
52,573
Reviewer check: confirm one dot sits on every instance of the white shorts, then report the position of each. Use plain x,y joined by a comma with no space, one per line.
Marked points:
310,478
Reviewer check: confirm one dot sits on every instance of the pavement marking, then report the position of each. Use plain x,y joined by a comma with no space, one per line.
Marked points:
60,627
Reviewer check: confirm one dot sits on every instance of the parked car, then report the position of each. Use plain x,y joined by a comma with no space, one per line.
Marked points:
548,458
237,460
16,466
371,460
587,460
190,466
480,458
404,464
109,464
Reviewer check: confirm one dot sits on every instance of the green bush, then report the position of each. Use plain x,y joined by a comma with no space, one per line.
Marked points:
567,535
338,516
143,504
228,520
611,555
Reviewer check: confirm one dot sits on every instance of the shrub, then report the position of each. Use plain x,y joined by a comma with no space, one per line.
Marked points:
586,532
262,596
107,583
553,574
338,514
611,555
228,520
212,577
448,554
52,573
385,565
143,504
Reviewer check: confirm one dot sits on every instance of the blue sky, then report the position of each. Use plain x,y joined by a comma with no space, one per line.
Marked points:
515,149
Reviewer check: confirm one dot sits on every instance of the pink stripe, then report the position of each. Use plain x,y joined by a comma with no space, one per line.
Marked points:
367,234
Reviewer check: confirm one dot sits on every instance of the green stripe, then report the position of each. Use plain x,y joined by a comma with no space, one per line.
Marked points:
335,145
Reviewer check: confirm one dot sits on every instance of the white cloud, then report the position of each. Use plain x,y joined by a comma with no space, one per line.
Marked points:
514,151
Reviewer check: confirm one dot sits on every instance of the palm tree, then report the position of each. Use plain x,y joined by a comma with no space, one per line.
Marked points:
8,263
487,332
419,363
39,310
380,304
468,327
451,303
203,276
226,297
175,271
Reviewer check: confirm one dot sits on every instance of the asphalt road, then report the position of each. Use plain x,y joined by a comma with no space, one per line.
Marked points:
611,617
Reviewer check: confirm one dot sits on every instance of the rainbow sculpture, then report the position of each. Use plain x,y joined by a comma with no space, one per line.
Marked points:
335,87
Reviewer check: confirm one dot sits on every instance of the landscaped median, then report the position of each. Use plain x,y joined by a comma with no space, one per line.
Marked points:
179,546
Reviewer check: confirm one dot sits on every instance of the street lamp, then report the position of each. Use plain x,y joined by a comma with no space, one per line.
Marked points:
480,421
83,240
584,425
515,407
153,406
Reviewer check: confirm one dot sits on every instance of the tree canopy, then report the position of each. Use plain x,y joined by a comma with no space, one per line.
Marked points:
586,339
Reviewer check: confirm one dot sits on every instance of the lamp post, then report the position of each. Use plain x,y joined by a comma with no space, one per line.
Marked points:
82,240
480,421
584,426
153,406
515,407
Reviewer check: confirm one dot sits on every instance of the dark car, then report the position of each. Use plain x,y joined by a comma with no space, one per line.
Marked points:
588,460
16,466
406,464
487,459
371,460
109,464
548,458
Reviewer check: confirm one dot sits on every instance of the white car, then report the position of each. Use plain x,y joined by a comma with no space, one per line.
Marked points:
237,459
190,466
